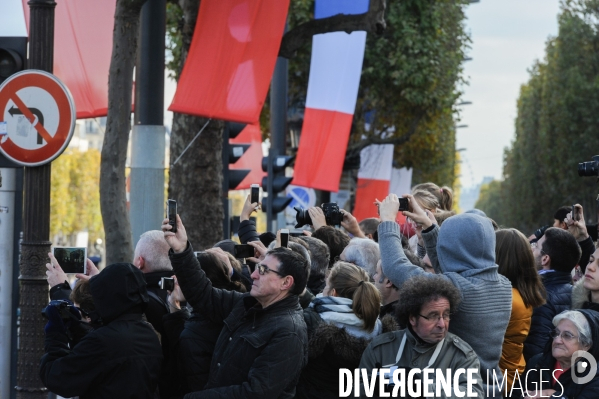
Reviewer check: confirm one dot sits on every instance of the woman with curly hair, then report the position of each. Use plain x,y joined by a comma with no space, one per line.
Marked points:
341,322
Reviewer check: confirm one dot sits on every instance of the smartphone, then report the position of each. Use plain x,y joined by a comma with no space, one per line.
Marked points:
71,259
167,283
243,251
171,214
254,193
575,213
285,238
404,204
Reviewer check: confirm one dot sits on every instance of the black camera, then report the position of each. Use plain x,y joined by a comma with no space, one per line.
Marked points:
64,309
331,210
590,168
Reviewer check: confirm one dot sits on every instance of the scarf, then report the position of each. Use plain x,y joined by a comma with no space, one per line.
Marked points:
338,311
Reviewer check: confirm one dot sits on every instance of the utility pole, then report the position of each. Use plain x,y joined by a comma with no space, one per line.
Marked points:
36,225
278,129
147,138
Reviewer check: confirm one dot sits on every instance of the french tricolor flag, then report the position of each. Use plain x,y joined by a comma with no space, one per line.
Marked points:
374,179
331,100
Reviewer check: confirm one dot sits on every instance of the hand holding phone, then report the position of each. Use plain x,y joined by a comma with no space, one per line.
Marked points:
243,251
171,214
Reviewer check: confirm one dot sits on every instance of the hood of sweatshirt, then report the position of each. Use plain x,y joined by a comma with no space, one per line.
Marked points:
466,245
119,289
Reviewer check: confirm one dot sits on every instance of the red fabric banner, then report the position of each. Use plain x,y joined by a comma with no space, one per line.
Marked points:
326,147
252,158
82,51
231,59
367,191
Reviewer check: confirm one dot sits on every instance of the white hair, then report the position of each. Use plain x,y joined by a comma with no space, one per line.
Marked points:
363,252
580,322
154,249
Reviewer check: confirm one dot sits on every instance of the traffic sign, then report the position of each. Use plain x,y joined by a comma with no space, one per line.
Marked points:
37,117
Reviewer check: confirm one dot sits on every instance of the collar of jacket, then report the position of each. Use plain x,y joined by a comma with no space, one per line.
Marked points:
419,345
252,306
556,278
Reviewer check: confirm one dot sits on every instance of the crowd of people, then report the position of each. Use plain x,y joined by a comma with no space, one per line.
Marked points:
442,294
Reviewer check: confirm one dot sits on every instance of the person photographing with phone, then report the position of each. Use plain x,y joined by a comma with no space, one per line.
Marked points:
262,347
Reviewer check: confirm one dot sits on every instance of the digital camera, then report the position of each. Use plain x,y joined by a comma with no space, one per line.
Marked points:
331,210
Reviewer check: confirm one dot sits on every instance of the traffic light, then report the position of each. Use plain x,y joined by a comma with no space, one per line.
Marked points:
279,183
231,177
232,153
13,55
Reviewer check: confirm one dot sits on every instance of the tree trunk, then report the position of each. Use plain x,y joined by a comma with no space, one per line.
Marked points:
196,180
113,200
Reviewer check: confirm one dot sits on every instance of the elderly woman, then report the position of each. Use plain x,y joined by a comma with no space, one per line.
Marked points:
556,372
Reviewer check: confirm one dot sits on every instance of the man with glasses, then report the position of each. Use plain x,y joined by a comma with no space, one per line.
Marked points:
425,306
263,345
556,253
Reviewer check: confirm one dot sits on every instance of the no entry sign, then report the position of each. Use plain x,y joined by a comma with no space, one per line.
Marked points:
37,117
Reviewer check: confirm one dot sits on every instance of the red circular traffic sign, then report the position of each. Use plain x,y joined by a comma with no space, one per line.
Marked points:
37,117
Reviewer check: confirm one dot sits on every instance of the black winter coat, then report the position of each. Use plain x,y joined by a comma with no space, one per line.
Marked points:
259,352
118,360
196,346
540,368
559,298
330,348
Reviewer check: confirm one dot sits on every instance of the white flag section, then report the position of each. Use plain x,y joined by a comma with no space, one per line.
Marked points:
12,18
401,181
335,71
376,163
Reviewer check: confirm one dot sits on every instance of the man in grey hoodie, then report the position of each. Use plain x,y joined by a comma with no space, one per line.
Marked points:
464,252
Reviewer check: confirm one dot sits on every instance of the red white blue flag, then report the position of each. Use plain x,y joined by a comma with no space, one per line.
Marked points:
335,72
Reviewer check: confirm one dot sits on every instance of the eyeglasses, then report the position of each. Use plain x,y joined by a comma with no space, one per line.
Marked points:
262,270
436,317
564,335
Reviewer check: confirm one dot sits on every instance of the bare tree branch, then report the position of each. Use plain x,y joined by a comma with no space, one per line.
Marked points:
355,148
372,21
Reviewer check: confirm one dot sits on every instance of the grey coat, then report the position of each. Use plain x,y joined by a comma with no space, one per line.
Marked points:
465,250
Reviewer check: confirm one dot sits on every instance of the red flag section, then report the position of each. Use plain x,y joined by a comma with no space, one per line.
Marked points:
82,51
231,59
252,158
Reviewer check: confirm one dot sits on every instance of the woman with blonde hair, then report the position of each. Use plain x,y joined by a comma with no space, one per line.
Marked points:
341,322
443,194
516,262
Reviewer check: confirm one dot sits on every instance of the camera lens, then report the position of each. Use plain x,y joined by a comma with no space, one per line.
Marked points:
302,217
588,169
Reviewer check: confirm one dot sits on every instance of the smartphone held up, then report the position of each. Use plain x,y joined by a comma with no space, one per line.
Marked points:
171,214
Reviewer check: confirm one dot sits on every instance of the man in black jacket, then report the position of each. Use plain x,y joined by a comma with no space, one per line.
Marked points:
263,345
556,254
121,359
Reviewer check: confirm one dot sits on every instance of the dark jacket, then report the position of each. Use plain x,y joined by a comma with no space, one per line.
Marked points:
539,369
247,232
259,352
122,358
559,297
194,351
330,348
157,306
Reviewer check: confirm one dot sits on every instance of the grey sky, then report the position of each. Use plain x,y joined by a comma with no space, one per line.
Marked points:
507,37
